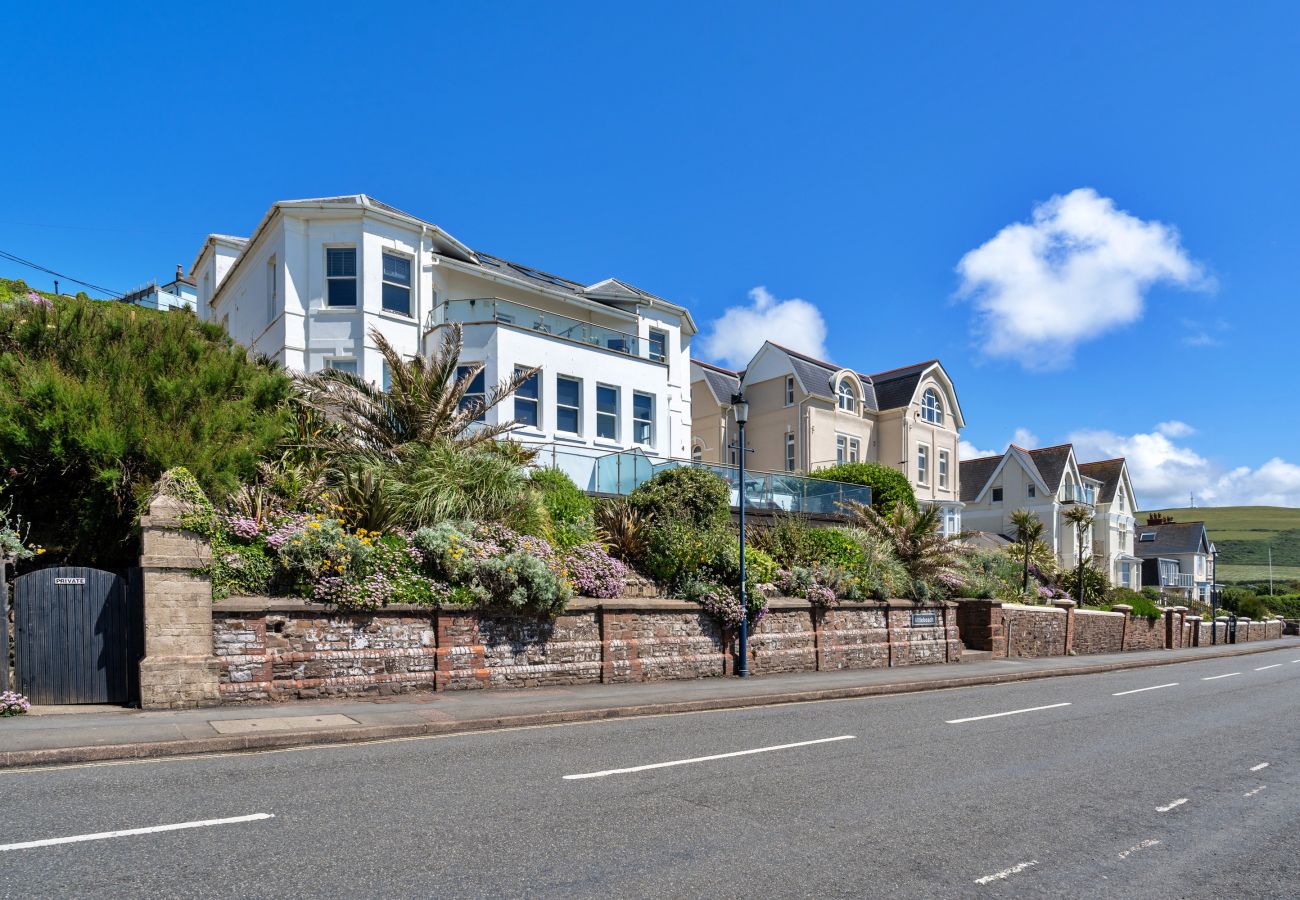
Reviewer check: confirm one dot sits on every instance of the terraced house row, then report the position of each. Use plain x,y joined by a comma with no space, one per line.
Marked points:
617,394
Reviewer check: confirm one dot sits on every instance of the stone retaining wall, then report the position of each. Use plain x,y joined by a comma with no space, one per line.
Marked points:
1009,629
275,649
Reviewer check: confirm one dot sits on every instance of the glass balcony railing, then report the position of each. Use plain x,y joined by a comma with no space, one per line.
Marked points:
621,473
1078,494
491,309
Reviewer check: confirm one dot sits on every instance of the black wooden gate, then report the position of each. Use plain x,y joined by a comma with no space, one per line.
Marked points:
72,630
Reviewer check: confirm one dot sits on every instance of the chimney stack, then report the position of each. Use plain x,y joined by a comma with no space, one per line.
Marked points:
180,274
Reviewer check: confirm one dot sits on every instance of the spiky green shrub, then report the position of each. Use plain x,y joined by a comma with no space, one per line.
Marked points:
98,399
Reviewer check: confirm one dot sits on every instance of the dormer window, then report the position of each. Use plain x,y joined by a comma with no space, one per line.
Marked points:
848,398
932,407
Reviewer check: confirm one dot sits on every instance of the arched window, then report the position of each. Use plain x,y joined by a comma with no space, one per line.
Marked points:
932,407
697,453
848,396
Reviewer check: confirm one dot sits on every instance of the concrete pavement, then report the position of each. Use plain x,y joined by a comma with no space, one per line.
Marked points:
114,733
1177,781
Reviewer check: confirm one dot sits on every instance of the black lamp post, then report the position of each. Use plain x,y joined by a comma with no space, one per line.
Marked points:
741,408
1214,594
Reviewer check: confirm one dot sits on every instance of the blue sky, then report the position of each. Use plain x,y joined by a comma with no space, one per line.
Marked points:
848,155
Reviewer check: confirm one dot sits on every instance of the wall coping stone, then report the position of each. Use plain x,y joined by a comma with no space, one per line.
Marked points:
256,604
1098,612
1064,604
1121,608
1038,609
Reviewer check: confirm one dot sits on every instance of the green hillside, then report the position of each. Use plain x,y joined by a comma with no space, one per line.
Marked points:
1244,534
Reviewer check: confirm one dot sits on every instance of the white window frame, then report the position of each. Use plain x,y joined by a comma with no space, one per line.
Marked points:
559,406
789,390
409,288
846,394
855,450
697,453
650,422
616,414
535,401
1031,491
931,407
789,451
841,449
650,345
470,395
943,469
355,277
922,463
995,495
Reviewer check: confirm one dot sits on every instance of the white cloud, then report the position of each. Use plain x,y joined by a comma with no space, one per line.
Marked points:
735,337
1021,437
1166,473
1079,269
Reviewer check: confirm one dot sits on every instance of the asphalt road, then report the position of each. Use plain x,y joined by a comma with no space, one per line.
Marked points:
1188,789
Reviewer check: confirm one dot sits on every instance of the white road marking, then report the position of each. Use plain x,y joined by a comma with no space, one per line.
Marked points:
1154,687
128,832
1006,873
696,759
1217,677
1125,854
1171,805
1258,767
1255,791
1262,668
1014,712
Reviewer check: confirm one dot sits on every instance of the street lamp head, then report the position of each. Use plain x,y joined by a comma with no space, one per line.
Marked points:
741,407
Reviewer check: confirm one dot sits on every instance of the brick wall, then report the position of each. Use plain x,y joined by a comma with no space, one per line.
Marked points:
275,649
1034,630
1145,634
1098,632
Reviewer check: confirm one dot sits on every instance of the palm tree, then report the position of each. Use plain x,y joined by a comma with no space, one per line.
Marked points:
930,558
1028,529
1079,516
425,403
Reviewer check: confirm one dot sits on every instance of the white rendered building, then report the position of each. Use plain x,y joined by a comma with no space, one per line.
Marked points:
317,276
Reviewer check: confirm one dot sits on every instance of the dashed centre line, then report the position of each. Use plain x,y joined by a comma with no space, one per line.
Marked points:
1217,677
1274,666
1007,872
1154,687
128,832
1258,767
1125,854
1255,791
697,759
1014,712
1173,805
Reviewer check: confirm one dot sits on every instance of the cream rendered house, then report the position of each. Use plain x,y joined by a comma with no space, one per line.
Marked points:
806,414
1047,482
1115,521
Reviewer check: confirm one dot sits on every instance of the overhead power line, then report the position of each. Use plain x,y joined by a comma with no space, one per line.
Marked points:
117,295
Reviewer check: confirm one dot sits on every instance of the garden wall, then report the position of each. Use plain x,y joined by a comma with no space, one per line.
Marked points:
277,649
1008,629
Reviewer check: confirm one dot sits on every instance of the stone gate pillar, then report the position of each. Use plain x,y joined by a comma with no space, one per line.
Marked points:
179,669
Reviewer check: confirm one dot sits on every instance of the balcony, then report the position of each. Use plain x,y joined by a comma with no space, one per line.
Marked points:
507,312
1079,494
1177,580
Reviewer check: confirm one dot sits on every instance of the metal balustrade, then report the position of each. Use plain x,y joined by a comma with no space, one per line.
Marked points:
507,312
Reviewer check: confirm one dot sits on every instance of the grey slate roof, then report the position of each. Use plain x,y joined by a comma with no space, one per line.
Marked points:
975,473
896,387
1108,472
1051,462
1176,537
723,382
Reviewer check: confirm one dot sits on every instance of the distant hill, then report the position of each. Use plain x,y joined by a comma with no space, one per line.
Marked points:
1244,534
